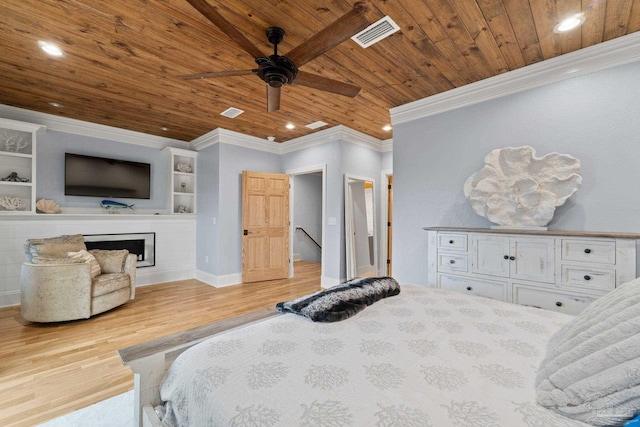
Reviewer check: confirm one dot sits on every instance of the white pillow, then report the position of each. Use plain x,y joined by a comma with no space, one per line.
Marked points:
591,371
88,258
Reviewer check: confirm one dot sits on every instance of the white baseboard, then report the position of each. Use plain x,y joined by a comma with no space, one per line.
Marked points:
152,278
327,282
7,299
219,281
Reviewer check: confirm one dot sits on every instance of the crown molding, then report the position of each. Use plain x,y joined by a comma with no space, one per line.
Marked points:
79,127
219,135
230,137
336,133
619,51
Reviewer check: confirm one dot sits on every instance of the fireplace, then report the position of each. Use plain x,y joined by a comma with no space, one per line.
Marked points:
141,244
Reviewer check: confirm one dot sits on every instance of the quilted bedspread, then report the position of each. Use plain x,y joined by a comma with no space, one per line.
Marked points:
426,357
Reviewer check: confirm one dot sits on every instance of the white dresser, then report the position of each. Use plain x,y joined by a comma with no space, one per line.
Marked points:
556,270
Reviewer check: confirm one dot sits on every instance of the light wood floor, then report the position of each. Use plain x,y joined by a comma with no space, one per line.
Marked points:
47,370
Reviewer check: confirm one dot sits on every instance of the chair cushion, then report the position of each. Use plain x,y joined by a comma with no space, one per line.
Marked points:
110,261
55,261
56,247
110,282
89,259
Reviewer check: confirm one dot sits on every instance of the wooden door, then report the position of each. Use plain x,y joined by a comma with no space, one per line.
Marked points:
265,226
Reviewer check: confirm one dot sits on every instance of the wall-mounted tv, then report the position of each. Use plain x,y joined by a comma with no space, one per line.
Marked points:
102,177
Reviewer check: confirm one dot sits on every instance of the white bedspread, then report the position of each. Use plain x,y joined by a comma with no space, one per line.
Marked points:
426,357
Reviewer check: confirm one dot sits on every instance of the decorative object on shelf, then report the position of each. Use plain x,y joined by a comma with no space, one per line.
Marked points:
14,143
12,203
47,206
184,167
13,177
112,206
182,209
515,189
183,187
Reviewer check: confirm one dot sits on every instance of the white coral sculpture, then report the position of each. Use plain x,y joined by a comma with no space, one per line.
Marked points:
517,189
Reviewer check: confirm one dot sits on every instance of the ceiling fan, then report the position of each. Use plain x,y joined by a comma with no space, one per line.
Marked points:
277,70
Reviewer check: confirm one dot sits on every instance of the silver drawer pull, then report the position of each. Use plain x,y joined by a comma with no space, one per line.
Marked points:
587,277
452,261
558,303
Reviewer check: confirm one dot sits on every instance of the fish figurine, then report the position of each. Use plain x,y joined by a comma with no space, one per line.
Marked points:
111,205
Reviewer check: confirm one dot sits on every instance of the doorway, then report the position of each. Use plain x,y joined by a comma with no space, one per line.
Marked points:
307,208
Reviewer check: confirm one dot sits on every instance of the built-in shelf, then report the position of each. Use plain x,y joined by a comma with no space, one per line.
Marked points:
18,156
182,182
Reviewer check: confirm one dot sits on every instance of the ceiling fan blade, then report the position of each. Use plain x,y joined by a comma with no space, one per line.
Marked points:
273,98
216,19
316,81
343,28
216,74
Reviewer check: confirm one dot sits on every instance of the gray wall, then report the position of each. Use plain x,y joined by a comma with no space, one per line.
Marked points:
233,160
595,118
50,168
208,244
307,213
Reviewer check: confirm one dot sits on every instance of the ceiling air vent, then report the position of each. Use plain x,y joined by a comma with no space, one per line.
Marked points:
316,125
232,112
376,32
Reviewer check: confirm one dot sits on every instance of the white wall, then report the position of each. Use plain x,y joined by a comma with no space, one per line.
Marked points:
595,118
174,257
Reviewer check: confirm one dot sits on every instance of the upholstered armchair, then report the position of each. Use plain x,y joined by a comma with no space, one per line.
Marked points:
63,281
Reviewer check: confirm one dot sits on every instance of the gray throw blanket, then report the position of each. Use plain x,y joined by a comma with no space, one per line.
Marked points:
341,301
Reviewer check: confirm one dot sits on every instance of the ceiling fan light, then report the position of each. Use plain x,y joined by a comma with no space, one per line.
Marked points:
569,23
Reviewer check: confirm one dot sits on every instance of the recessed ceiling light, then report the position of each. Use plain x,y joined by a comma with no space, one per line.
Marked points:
386,128
569,23
50,48
164,128
290,126
56,104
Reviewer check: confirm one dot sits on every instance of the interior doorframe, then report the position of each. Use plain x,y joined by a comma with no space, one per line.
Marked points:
384,219
348,225
303,171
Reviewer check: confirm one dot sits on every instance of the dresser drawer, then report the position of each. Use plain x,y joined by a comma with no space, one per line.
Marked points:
453,262
550,299
493,290
601,251
452,242
590,278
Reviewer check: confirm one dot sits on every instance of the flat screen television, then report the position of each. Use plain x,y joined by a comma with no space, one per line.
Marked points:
103,177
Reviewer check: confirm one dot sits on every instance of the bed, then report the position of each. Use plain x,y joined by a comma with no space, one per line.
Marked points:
426,357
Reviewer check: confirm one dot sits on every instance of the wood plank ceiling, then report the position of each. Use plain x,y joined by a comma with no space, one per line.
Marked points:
123,58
